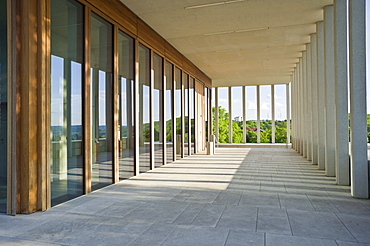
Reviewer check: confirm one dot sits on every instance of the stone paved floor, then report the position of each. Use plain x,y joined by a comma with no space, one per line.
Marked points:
236,197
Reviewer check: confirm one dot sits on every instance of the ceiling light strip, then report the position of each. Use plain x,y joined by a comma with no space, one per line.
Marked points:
205,5
237,31
213,4
251,30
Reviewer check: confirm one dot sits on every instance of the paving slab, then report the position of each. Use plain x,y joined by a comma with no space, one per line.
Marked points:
235,197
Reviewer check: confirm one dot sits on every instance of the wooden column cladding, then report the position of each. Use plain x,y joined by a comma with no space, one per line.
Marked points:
32,73
87,105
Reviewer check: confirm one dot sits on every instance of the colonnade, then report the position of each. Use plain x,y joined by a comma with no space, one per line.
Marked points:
333,67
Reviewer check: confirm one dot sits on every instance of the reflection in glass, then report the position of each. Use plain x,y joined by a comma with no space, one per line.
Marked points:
144,108
178,98
66,100
169,113
125,105
158,110
3,103
192,114
186,114
101,102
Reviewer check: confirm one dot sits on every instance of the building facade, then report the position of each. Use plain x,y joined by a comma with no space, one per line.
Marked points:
90,95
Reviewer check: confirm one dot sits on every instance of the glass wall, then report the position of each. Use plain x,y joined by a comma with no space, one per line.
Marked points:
251,113
237,114
223,114
144,108
101,101
266,115
192,114
169,112
280,113
186,114
66,100
251,121
125,105
178,99
158,110
3,103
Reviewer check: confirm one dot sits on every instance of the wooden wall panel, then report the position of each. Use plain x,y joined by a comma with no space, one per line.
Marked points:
173,55
150,37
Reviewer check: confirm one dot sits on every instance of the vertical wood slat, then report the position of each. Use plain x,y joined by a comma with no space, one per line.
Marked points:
174,141
87,105
136,110
27,100
151,106
44,197
115,107
164,103
182,115
12,109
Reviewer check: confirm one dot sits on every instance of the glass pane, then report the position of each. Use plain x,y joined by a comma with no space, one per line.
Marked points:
280,114
66,100
251,121
223,114
144,108
158,110
125,105
192,113
266,115
101,102
3,103
169,112
237,114
186,114
178,113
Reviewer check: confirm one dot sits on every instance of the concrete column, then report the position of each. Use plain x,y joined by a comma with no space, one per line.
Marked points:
292,107
341,93
314,98
287,113
258,115
321,95
273,113
301,108
309,104
230,98
357,72
329,91
244,108
303,104
216,113
297,114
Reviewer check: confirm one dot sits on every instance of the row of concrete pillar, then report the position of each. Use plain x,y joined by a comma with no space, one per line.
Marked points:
332,67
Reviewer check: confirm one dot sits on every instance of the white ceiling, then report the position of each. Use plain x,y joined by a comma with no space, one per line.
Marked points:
265,55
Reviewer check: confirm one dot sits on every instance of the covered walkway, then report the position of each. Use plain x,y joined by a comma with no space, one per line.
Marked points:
236,197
